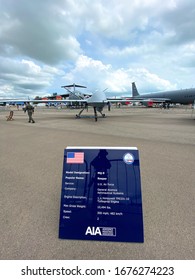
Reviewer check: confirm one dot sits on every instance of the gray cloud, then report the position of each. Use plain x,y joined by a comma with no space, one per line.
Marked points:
43,42
179,23
24,76
35,29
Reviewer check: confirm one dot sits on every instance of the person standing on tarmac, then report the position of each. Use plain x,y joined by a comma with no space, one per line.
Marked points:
30,109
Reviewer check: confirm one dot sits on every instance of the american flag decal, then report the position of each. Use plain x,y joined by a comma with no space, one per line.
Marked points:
73,157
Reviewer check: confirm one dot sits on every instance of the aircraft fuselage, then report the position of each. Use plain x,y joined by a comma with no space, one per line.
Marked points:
183,96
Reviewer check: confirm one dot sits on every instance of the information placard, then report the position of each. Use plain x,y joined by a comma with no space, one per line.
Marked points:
101,194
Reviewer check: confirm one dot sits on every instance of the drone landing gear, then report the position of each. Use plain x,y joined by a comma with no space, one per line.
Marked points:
103,115
95,113
79,114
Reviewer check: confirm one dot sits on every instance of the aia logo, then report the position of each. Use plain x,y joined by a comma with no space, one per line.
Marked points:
101,231
93,231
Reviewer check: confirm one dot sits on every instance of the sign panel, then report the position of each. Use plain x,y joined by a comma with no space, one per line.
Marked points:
101,195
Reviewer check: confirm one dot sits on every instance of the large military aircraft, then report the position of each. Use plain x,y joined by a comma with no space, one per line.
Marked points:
182,96
97,100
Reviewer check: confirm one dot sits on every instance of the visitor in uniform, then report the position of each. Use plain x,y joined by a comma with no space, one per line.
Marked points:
30,109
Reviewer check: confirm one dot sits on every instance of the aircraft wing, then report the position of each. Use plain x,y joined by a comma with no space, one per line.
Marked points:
89,100
86,100
116,100
141,99
43,101
156,100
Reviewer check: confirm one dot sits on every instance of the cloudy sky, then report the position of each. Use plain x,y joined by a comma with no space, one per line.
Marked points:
100,44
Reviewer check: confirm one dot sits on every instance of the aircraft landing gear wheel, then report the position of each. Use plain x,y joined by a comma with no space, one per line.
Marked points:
95,113
77,116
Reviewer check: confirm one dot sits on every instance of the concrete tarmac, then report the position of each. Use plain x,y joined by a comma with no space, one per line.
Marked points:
31,160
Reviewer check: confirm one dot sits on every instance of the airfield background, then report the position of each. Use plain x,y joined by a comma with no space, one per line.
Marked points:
31,159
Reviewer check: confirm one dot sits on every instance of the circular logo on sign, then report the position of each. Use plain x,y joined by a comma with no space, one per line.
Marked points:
128,158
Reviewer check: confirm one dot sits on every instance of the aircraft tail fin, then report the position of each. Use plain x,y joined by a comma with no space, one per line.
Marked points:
74,86
134,90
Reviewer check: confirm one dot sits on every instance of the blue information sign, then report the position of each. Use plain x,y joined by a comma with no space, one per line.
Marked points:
101,195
